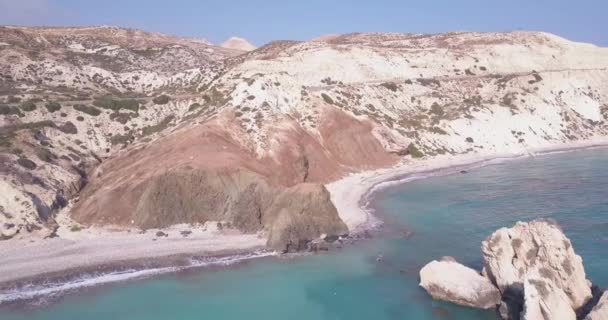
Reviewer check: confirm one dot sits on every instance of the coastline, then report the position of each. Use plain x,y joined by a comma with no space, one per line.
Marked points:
106,256
27,261
352,194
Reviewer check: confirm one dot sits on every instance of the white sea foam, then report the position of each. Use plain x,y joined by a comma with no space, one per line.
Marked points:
51,289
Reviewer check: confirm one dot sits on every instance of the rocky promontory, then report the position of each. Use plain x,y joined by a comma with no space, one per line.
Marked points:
530,272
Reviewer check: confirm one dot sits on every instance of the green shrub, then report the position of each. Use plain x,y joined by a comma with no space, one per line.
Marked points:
69,128
80,118
116,105
162,99
414,152
158,127
7,110
121,117
90,110
52,106
390,86
469,140
429,82
537,78
437,130
327,98
13,99
26,163
28,106
75,228
121,139
436,109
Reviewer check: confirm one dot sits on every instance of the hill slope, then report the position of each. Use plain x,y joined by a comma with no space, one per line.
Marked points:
250,129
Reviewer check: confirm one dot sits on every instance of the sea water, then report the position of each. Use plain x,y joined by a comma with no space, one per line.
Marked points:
375,278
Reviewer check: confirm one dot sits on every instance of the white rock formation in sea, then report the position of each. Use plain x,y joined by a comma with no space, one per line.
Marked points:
533,267
600,311
511,254
451,281
544,300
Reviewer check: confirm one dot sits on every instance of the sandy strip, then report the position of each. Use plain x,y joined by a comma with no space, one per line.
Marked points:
28,259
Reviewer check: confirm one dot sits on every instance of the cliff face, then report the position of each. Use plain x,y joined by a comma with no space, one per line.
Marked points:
233,132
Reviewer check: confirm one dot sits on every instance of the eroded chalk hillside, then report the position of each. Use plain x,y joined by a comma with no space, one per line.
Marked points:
253,131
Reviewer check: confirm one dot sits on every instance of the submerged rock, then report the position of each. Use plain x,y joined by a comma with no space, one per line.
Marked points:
544,300
451,281
600,311
540,246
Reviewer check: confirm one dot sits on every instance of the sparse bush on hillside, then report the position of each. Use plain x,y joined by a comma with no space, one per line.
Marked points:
436,109
537,78
28,106
90,110
437,130
509,100
473,101
162,99
469,140
327,98
468,72
26,163
80,118
414,151
68,128
120,117
7,110
390,86
13,99
429,82
122,138
52,106
116,105
328,81
158,127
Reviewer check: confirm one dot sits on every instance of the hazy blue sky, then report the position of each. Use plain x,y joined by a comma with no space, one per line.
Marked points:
262,21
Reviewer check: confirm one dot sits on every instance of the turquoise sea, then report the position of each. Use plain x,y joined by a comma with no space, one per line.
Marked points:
376,278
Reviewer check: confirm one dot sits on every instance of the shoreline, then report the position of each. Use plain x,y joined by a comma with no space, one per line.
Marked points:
25,275
26,261
353,194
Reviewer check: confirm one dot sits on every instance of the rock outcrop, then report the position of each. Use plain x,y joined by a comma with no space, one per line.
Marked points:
600,311
510,254
301,214
451,281
532,266
543,300
197,196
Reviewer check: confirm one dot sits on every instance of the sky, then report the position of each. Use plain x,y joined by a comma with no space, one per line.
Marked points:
262,21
